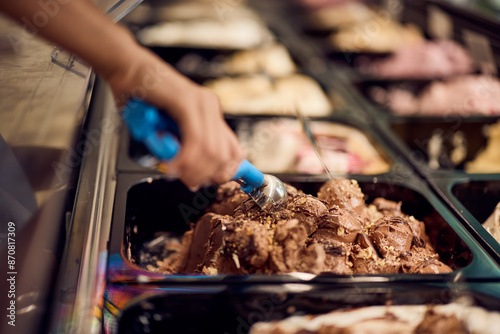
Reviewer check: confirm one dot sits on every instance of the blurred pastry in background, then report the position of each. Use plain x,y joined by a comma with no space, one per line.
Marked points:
260,94
426,60
273,60
492,224
457,317
488,160
460,96
279,146
154,12
378,35
339,15
227,33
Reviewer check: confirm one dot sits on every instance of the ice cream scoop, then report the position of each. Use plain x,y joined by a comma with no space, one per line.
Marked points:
160,135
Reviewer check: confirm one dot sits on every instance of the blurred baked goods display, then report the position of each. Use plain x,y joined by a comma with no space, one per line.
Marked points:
310,234
278,146
336,16
203,24
488,160
231,33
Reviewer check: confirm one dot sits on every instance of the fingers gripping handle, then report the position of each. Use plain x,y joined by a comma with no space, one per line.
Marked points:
161,136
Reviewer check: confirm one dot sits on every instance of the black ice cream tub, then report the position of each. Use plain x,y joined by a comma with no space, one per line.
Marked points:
437,145
202,65
234,309
372,90
134,157
147,208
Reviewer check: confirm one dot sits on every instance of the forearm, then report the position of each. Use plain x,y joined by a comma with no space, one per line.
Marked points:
78,26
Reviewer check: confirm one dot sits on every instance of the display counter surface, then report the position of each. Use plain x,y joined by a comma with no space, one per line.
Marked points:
44,94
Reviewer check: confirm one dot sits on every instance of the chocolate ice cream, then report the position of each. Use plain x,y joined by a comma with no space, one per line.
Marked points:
392,233
311,234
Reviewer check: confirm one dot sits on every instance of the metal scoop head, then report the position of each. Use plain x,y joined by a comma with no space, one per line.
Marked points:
271,195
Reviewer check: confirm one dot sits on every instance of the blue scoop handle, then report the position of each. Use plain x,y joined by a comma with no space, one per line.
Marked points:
161,136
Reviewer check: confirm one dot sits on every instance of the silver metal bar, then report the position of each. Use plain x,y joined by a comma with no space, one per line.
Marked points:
312,140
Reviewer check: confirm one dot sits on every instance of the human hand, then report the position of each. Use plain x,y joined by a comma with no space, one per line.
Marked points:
210,151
